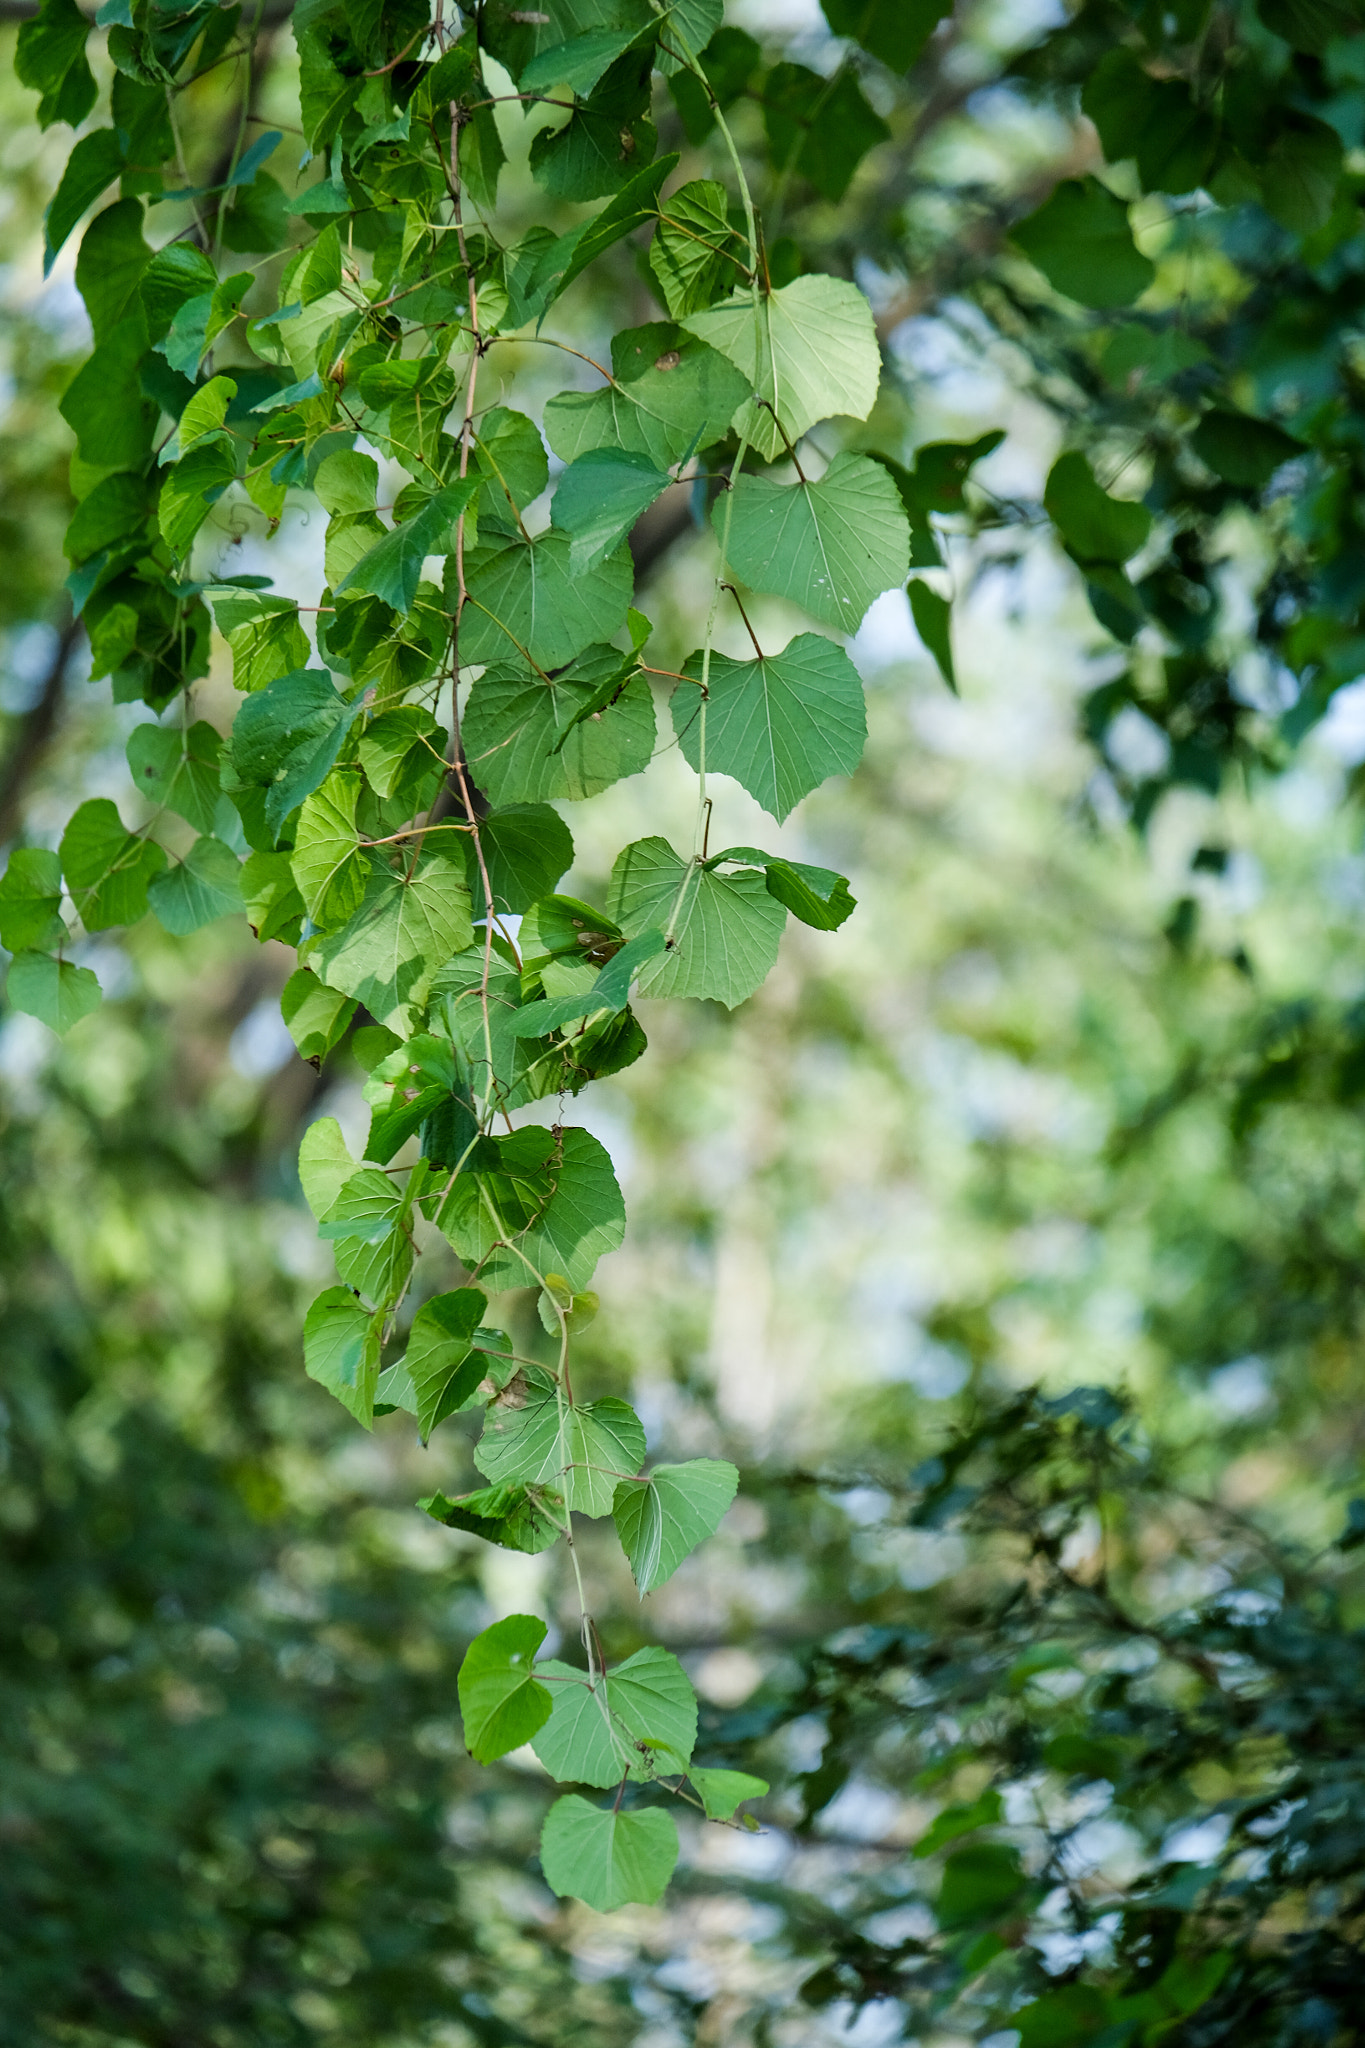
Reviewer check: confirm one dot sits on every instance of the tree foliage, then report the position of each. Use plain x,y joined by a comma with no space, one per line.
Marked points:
374,811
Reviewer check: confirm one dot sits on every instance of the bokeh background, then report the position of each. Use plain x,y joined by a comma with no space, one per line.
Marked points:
1065,1105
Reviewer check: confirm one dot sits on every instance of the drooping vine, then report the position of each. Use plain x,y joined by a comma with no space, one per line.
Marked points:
385,801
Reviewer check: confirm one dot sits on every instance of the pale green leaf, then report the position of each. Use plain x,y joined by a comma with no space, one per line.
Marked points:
265,637
347,483
206,411
330,866
206,885
555,1199
832,546
780,725
662,1518
325,1164
726,928
640,1719
501,1703
57,992
444,1368
809,350
548,1441
341,1350
526,600
605,1858
406,928
529,739
316,1016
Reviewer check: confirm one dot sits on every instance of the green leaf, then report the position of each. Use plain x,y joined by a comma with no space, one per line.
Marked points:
605,1858
933,622
316,1016
550,266
50,58
809,351
526,599
325,1164
779,725
191,487
104,406
373,1252
558,1198
606,138
723,1791
894,30
501,1703
1243,451
330,866
287,738
1094,526
178,769
265,636
94,163
529,739
54,991
598,500
726,928
107,867
832,546
662,1518
405,929
637,1720
512,460
580,1451
206,885
610,991
579,62
112,259
817,896
1153,120
526,848
670,393
955,1821
443,1368
513,1517
1081,241
31,901
1071,2017
823,126
1300,174
391,569
401,750
980,1883
696,256
274,907
341,1350
347,482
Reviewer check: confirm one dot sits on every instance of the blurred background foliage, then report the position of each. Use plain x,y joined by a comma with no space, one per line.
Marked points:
1010,1241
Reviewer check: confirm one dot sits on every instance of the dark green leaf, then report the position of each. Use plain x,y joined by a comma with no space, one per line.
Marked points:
392,568
445,1371
1081,241
824,126
206,885
1093,526
558,1199
1243,451
894,30
933,622
91,168
514,1517
30,901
